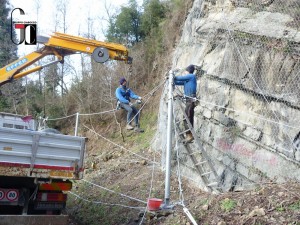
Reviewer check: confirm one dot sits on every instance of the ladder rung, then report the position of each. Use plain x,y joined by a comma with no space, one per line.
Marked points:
204,174
200,163
183,132
179,121
194,153
212,184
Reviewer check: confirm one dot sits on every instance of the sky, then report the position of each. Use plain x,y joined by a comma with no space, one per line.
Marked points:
78,14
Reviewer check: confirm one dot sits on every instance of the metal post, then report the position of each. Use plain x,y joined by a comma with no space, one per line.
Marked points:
169,141
76,125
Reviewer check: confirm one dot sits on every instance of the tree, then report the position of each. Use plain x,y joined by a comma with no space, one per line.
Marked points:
8,53
126,25
154,13
8,50
61,7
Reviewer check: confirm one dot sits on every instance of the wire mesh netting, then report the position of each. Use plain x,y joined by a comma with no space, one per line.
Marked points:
247,53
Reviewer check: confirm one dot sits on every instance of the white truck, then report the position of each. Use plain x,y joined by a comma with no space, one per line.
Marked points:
36,169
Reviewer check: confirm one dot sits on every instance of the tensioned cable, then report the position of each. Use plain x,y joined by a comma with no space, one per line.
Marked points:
242,112
181,197
61,117
154,89
103,203
116,144
123,195
248,124
98,113
108,111
151,186
152,92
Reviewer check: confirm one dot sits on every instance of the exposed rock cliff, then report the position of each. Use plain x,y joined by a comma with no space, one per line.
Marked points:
249,108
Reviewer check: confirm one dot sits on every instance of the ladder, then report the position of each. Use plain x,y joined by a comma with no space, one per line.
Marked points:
199,157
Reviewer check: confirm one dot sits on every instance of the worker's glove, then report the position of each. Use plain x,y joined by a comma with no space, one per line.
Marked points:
139,98
130,104
138,101
197,67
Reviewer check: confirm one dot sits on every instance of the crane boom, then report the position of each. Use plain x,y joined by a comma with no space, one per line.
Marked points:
61,45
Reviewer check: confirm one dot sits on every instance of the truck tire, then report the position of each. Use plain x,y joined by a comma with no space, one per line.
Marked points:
100,55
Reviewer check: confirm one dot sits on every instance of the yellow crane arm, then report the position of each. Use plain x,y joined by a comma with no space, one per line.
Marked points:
100,51
60,45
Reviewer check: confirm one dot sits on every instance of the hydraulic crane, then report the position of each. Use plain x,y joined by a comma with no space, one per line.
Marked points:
61,45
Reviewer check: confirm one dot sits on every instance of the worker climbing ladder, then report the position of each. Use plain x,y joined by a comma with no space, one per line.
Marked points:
199,157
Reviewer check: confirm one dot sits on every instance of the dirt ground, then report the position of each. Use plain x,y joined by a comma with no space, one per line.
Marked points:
120,175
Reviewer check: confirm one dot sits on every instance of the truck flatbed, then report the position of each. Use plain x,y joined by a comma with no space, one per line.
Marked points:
26,153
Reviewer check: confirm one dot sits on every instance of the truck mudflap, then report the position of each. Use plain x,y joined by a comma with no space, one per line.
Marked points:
34,219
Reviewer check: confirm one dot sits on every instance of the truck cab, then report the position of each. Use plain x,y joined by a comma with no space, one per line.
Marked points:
36,170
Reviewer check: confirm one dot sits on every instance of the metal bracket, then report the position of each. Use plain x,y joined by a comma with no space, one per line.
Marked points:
34,148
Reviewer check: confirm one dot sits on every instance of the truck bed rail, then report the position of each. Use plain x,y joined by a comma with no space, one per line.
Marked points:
42,155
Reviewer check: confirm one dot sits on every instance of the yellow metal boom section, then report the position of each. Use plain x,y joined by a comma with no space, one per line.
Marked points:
60,45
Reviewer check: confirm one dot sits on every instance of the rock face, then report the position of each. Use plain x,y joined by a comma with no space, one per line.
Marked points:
249,107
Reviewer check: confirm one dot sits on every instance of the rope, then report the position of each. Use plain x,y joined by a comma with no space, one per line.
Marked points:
150,93
123,195
60,118
154,89
242,112
98,113
248,124
181,197
110,111
151,186
103,203
116,144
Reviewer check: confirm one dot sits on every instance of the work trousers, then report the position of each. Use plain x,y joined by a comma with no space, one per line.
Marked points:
190,111
131,111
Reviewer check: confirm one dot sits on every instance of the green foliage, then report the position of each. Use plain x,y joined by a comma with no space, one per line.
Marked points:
154,13
8,50
126,26
142,141
35,99
280,209
227,204
3,103
54,110
132,25
295,206
178,4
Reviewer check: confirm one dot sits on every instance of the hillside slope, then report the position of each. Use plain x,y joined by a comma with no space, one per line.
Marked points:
246,118
113,166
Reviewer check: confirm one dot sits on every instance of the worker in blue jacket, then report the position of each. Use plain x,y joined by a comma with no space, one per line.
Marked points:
124,95
189,82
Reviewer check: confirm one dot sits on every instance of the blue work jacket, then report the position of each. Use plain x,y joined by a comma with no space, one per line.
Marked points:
124,94
189,83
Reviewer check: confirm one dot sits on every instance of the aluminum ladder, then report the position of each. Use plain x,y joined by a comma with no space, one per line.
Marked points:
199,157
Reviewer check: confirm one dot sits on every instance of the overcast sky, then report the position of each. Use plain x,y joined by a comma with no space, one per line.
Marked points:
78,13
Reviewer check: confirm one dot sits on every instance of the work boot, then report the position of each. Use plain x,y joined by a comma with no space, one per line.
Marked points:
189,138
129,127
138,129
